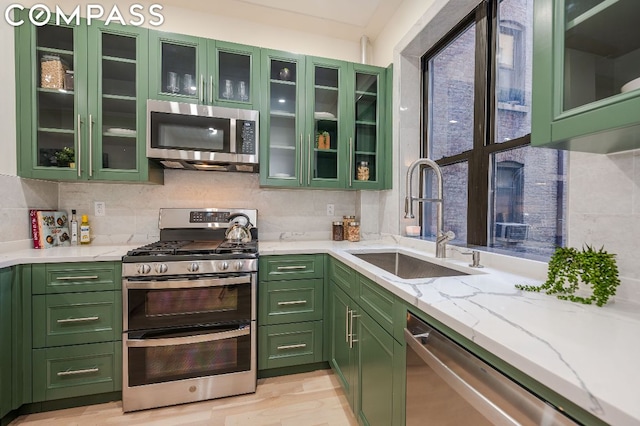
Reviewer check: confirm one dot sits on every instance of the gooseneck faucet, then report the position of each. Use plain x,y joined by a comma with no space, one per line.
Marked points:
441,237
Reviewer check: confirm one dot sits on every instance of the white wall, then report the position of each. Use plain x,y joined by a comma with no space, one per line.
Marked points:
7,106
210,25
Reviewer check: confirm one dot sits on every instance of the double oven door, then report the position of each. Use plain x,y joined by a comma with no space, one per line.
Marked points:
187,339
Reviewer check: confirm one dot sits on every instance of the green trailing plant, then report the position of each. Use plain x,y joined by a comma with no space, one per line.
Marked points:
569,267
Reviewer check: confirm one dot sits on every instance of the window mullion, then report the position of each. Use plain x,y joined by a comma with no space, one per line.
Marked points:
478,187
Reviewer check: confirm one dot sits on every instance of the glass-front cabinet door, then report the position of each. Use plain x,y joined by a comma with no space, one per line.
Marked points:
282,120
51,100
117,117
368,100
208,72
81,104
601,50
178,67
325,137
235,78
586,74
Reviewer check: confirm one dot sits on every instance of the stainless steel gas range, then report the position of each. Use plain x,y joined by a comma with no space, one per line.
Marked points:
189,313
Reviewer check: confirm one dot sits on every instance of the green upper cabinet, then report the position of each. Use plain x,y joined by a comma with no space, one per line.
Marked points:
321,123
81,93
367,99
282,126
586,75
198,70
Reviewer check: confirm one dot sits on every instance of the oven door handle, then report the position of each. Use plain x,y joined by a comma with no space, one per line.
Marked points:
189,340
199,283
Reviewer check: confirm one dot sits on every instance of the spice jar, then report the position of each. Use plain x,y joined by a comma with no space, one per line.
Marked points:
353,231
345,223
362,171
337,233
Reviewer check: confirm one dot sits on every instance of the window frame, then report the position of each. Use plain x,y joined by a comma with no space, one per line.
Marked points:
485,18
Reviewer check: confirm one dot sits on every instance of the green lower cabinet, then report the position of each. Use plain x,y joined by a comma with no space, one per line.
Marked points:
342,359
5,342
75,318
286,345
363,357
375,358
70,371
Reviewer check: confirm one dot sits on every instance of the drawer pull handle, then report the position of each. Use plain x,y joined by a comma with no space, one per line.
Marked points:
85,277
75,372
291,268
85,319
298,346
292,302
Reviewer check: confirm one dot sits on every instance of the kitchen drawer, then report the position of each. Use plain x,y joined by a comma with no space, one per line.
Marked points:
76,318
377,302
72,371
285,345
291,301
291,267
50,278
343,276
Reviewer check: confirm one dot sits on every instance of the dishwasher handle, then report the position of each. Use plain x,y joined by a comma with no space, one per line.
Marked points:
491,411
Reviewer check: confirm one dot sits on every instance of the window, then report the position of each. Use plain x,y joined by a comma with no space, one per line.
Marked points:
499,192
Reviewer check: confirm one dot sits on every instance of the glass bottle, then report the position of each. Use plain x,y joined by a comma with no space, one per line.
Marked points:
85,230
74,228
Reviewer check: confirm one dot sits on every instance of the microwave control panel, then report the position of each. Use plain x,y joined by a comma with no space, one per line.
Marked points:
248,137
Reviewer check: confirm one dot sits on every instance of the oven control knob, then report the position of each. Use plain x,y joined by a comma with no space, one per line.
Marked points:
238,265
224,266
193,267
161,268
143,268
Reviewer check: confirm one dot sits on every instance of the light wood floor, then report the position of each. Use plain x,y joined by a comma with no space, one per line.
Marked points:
308,399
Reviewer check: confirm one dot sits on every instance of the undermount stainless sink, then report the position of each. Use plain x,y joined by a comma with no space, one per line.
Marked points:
407,267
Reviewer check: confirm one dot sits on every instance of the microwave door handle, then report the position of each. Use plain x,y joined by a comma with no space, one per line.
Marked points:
201,91
232,135
189,340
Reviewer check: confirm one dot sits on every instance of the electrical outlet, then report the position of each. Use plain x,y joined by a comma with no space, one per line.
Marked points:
331,210
100,208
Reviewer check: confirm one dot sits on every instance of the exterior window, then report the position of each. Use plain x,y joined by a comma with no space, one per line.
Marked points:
499,192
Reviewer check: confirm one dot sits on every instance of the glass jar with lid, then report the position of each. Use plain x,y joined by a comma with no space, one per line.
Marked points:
345,222
337,231
362,171
353,231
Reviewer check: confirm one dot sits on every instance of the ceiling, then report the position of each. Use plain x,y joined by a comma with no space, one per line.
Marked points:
344,19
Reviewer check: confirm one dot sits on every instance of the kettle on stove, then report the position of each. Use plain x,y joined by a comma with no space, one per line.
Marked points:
238,233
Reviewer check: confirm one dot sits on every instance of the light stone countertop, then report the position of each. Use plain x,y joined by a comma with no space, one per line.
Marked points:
585,353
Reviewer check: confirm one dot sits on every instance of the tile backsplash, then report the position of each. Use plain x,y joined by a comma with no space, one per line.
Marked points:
132,209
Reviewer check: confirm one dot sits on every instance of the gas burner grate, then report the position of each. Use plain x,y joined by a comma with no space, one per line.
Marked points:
158,248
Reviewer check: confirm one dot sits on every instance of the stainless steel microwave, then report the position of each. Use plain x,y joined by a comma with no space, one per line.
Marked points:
201,137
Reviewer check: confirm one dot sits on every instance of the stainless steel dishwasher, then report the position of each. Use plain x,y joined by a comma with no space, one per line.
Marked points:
447,385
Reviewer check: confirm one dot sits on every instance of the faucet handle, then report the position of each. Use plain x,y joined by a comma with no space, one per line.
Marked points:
475,258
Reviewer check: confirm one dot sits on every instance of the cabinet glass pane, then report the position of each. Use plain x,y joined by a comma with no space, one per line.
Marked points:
282,111
179,74
366,130
325,149
602,50
55,97
118,46
119,105
234,81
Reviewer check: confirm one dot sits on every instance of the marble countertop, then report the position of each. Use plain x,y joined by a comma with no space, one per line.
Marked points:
585,353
